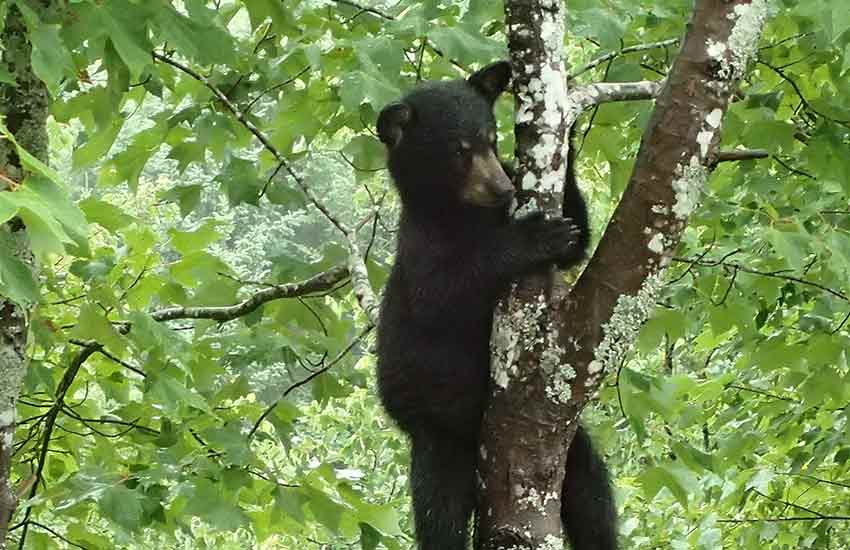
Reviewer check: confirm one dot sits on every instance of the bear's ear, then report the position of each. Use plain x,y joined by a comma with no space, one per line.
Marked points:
391,122
492,79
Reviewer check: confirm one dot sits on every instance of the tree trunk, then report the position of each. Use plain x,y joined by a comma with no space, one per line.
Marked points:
24,108
551,349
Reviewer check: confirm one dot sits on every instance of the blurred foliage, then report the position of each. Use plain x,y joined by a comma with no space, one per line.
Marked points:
727,428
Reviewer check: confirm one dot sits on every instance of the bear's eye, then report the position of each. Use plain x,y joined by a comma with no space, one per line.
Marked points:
462,147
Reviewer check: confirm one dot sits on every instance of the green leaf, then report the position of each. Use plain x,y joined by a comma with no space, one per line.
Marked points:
211,503
92,324
774,135
122,506
605,26
358,86
790,246
369,537
54,223
125,24
43,195
187,196
6,77
51,60
465,44
186,242
328,513
197,268
97,147
241,182
8,206
128,164
232,441
290,501
261,10
366,153
16,279
174,396
107,215
201,41
670,477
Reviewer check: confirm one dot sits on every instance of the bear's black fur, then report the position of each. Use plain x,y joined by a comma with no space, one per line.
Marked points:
458,252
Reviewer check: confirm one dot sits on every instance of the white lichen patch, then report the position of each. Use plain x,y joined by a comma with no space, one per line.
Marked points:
709,128
543,102
559,389
704,138
734,56
517,327
714,118
716,50
527,327
552,180
550,542
534,500
656,243
529,180
688,187
623,326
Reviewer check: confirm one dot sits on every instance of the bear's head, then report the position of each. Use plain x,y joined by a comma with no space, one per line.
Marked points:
441,142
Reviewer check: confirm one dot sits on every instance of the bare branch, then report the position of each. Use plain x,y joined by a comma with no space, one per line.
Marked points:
318,283
591,95
737,155
360,281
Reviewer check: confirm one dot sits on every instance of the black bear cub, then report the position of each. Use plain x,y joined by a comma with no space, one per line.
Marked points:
458,252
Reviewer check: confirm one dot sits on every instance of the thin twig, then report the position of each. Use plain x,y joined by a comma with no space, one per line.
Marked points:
251,127
366,9
306,380
631,49
773,274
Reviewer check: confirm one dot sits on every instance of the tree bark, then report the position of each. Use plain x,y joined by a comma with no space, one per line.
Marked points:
24,108
552,349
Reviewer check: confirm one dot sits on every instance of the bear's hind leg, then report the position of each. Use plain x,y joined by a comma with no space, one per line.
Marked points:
442,481
587,505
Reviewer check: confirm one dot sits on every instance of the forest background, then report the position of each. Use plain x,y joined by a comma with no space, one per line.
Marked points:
211,202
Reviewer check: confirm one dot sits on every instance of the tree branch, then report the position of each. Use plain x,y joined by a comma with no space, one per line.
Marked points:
49,423
317,283
591,95
737,155
615,293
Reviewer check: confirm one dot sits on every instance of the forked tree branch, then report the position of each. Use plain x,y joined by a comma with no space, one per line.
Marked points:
593,326
614,294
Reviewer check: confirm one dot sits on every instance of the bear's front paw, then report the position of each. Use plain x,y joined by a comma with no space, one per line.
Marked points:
558,241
